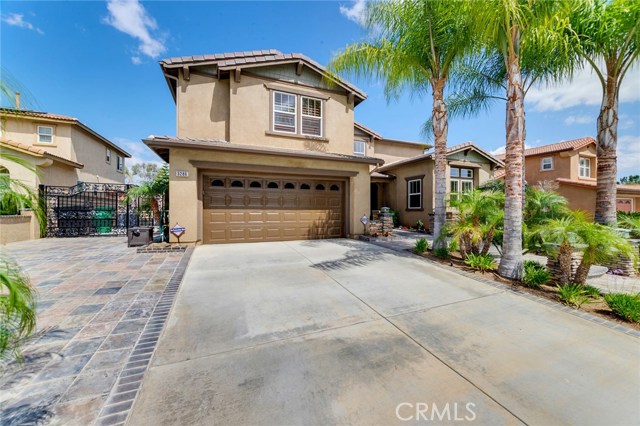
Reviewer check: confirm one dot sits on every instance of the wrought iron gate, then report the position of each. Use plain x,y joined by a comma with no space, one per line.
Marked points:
93,209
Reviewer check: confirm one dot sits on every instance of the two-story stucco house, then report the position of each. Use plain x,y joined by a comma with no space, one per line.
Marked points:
264,149
62,150
569,167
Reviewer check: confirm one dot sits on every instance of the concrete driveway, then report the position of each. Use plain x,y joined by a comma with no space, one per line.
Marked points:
345,332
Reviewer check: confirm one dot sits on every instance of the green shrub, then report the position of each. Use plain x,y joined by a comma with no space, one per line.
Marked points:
626,306
481,262
573,295
453,246
441,252
535,274
592,292
395,215
421,245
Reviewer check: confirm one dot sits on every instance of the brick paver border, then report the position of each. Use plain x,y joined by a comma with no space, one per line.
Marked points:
118,405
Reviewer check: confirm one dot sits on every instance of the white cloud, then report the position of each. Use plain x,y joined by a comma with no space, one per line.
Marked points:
625,122
136,60
628,155
584,89
355,13
502,149
579,119
130,17
17,20
140,153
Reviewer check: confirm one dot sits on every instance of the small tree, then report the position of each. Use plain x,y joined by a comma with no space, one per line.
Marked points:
480,219
150,192
630,180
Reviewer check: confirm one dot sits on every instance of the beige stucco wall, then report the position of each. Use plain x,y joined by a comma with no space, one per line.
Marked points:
15,228
580,198
240,112
185,204
202,108
391,151
88,151
24,131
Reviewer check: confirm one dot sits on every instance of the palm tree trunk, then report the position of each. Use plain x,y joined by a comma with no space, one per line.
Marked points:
606,152
564,259
440,129
582,272
486,241
511,259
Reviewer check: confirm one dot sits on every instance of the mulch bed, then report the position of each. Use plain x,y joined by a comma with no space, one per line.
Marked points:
597,307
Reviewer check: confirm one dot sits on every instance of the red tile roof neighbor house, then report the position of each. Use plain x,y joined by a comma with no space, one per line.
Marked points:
571,145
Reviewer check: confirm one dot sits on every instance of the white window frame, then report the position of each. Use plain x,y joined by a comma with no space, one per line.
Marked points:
360,143
409,194
120,163
460,182
294,113
39,134
543,164
581,167
108,155
312,116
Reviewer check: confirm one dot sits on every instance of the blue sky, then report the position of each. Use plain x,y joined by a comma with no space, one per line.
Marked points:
98,61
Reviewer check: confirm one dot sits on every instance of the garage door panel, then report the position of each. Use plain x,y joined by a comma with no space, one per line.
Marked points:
280,209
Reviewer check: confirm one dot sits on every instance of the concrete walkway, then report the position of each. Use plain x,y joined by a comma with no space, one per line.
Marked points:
345,332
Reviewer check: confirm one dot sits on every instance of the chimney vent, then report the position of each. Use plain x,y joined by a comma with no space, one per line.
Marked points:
17,100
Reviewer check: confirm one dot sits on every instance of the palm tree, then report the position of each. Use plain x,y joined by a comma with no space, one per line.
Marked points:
17,297
511,28
415,46
609,41
577,232
151,191
480,219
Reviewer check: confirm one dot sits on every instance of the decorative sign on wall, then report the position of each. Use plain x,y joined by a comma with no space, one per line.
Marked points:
364,219
182,173
178,231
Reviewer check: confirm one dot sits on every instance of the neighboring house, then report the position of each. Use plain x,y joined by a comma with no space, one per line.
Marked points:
264,149
61,150
569,167
409,184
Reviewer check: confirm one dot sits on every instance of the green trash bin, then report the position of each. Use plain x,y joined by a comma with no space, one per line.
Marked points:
103,219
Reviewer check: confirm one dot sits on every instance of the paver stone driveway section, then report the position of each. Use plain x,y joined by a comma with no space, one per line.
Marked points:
345,332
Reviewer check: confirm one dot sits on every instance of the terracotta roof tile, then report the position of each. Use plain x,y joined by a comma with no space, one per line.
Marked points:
570,145
40,152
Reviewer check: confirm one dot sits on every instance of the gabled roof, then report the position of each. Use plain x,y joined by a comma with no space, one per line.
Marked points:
37,152
451,150
256,58
570,145
160,143
40,115
367,130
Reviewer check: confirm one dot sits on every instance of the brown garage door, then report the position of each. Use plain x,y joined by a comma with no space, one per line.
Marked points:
247,209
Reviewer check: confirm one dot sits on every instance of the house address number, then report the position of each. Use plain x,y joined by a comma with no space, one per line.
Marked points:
182,173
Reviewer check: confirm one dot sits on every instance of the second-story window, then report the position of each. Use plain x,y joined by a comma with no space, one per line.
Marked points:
585,167
120,164
311,116
284,112
546,163
108,156
359,148
297,114
45,134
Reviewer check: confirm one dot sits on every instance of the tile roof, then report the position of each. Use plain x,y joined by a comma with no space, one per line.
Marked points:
72,120
39,152
217,143
570,145
365,129
253,57
450,150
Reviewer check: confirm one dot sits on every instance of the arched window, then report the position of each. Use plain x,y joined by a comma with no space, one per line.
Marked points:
334,188
255,184
272,185
289,185
217,182
305,186
320,187
237,184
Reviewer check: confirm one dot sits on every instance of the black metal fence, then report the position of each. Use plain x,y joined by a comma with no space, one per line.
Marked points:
95,209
